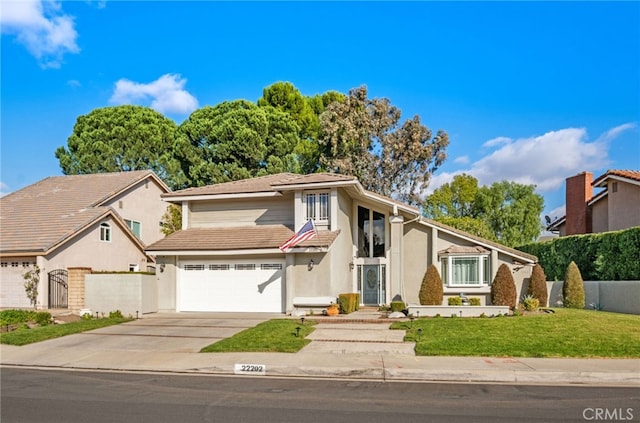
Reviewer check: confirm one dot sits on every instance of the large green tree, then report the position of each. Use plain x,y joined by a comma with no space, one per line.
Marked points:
236,140
363,137
507,212
123,138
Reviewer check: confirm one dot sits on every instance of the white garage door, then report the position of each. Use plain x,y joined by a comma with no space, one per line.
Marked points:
246,286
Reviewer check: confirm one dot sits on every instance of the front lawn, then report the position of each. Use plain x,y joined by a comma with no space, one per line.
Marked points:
277,335
566,333
25,335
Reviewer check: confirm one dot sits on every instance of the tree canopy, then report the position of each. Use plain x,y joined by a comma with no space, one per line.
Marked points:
507,212
363,137
123,138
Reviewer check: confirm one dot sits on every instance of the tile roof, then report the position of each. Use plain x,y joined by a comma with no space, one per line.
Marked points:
628,174
40,216
268,183
236,238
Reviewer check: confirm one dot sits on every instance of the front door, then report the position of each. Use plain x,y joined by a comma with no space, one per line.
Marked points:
371,283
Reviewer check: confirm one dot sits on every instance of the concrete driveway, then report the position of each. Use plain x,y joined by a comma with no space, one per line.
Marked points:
162,332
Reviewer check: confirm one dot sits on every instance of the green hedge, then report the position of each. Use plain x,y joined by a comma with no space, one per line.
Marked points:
349,302
608,256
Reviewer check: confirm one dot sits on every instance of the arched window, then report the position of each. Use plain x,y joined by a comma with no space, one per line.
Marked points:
105,232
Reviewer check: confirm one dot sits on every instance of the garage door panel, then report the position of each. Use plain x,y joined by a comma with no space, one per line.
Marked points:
243,287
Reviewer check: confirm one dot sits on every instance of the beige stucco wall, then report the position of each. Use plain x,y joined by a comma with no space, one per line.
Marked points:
86,250
166,274
242,212
418,256
624,206
600,216
142,203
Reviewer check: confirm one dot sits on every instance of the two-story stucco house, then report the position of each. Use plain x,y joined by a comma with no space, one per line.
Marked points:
615,207
226,257
99,221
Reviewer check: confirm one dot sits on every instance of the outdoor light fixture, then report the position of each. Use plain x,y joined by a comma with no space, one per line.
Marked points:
310,265
418,314
297,331
351,265
162,265
302,320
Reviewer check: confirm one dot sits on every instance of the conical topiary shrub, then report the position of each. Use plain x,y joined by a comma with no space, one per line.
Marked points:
573,287
503,288
538,285
431,291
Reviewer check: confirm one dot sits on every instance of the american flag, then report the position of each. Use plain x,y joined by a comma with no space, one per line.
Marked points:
308,231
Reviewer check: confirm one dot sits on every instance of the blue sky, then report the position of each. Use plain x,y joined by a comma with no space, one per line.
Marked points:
528,92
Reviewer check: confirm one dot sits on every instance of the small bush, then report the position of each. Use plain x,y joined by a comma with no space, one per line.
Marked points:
431,290
397,306
538,285
348,302
474,301
503,288
87,316
43,318
530,303
573,287
454,301
116,314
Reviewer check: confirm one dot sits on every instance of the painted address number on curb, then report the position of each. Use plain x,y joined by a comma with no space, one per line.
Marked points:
250,369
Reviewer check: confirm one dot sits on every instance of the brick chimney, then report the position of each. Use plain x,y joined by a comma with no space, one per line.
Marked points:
579,192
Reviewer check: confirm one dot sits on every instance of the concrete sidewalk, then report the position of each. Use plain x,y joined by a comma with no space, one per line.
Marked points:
359,348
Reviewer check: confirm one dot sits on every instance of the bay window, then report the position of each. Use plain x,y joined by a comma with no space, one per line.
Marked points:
466,270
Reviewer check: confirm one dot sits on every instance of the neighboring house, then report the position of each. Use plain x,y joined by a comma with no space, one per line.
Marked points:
100,221
615,207
226,257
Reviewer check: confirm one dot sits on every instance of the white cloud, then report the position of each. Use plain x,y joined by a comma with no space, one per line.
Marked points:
46,32
167,94
462,160
497,141
545,160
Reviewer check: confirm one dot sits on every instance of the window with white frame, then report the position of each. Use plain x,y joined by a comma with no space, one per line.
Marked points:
466,270
105,232
134,226
317,207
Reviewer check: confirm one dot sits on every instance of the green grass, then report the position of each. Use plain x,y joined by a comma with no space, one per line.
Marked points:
42,333
567,333
277,335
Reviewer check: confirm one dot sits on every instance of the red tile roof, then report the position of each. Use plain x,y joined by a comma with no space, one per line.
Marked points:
633,175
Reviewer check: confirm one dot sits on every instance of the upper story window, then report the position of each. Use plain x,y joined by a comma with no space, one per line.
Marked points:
371,233
466,270
105,232
134,226
317,207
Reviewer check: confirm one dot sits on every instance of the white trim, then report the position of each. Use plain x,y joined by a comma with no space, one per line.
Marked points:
597,197
255,251
603,183
219,196
478,242
185,215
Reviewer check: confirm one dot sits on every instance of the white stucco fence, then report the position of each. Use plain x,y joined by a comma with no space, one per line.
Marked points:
129,293
614,296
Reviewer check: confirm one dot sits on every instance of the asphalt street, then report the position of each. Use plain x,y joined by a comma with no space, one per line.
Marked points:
63,396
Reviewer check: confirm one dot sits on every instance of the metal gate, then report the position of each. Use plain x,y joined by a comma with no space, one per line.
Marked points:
58,289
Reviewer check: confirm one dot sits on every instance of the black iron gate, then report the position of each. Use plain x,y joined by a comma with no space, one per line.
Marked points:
58,289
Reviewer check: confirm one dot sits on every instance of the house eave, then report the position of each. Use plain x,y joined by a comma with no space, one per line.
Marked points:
203,197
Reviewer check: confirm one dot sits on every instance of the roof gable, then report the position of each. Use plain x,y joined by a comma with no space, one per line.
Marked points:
42,216
632,176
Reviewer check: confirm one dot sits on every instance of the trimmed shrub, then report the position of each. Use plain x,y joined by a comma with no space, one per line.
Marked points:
397,306
503,288
348,302
538,285
530,303
474,301
454,301
431,290
600,257
573,287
